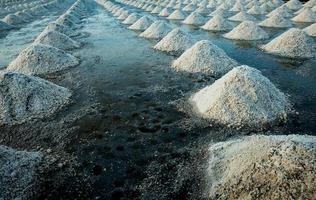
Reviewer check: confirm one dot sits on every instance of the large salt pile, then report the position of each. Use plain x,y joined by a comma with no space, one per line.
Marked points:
305,16
62,29
294,4
194,19
42,59
157,30
217,23
18,173
247,30
5,26
311,30
131,19
293,43
142,24
13,19
24,97
242,16
263,167
242,98
176,41
277,21
57,39
204,57
176,15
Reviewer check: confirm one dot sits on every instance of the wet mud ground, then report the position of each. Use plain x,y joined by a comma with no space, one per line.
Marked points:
126,134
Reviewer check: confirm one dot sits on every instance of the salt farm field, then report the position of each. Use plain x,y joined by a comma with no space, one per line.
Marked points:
91,110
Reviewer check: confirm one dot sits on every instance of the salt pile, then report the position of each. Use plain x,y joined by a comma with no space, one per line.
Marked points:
123,15
294,4
311,30
247,30
217,23
263,167
157,30
242,98
13,19
255,10
142,24
62,29
5,26
219,11
177,41
165,12
156,10
282,10
42,59
305,16
194,19
293,43
24,97
18,172
131,19
177,15
277,21
189,7
204,57
242,16
57,39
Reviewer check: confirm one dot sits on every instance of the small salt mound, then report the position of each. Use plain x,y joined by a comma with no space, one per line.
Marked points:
62,29
42,59
123,16
311,30
131,19
242,98
294,4
282,10
202,10
242,16
156,10
64,20
194,19
18,172
204,57
5,26
247,30
165,12
255,10
24,97
157,30
177,15
293,43
219,11
263,167
277,21
305,16
189,7
57,39
177,41
217,23
13,19
142,24
237,7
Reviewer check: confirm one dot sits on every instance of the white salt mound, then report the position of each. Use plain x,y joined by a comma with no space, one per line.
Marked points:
142,24
17,172
194,19
293,43
176,41
5,26
294,4
277,21
13,19
311,30
157,30
204,57
242,98
23,97
242,16
217,23
282,10
57,39
165,12
62,29
247,30
280,165
131,19
42,59
177,15
305,16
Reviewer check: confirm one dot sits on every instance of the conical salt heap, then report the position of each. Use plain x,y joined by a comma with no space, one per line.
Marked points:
177,15
5,26
23,97
165,12
311,30
247,30
62,29
204,57
57,39
293,43
219,11
12,19
131,19
282,10
280,165
217,23
123,15
305,16
18,172
189,7
242,98
177,41
242,16
156,10
255,10
294,4
142,24
157,30
194,19
277,21
42,59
